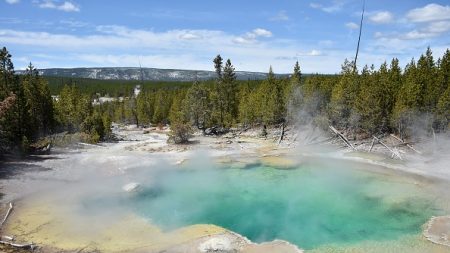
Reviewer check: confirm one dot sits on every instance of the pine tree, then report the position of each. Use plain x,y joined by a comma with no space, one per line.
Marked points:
14,124
223,95
94,127
271,97
443,111
343,96
6,73
409,100
369,102
163,101
218,61
393,88
444,70
8,100
197,105
145,107
180,126
73,108
293,94
39,103
297,75
426,76
228,91
443,105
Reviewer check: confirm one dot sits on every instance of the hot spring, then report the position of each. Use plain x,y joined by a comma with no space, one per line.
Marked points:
310,205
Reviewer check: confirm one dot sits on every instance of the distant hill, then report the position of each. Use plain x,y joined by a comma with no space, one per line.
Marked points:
149,74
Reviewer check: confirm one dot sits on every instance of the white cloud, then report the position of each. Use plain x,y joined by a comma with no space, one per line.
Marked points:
430,12
252,37
428,31
65,6
431,30
315,53
115,46
243,40
352,25
190,36
426,24
108,37
334,7
416,35
378,35
439,27
381,17
68,6
12,1
400,44
73,23
121,46
315,5
11,21
281,16
309,54
259,32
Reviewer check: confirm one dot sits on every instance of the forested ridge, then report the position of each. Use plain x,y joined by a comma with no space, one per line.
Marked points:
388,99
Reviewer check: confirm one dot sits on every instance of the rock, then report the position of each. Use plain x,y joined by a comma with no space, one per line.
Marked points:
179,162
131,187
216,131
222,130
209,131
216,244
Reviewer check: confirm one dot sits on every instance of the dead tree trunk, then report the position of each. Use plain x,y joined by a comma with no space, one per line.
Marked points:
7,214
282,133
20,246
408,145
373,143
347,142
394,153
10,239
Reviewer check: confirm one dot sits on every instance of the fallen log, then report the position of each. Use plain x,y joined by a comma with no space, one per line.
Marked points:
6,238
394,153
9,240
347,142
408,145
20,246
7,214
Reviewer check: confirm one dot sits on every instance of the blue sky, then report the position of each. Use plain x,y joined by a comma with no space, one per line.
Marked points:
188,34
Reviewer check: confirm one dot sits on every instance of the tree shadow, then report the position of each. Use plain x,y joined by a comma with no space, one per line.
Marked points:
12,166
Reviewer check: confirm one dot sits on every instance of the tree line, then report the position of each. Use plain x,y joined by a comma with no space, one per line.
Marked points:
28,113
111,88
371,101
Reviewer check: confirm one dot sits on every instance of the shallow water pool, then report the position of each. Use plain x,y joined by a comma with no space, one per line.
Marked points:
311,205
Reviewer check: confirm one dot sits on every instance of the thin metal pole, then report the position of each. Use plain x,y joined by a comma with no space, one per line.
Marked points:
359,37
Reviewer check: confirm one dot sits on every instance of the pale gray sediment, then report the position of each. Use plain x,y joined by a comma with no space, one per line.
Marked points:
437,230
233,242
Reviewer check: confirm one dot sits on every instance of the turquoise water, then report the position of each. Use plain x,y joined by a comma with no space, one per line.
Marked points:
309,206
